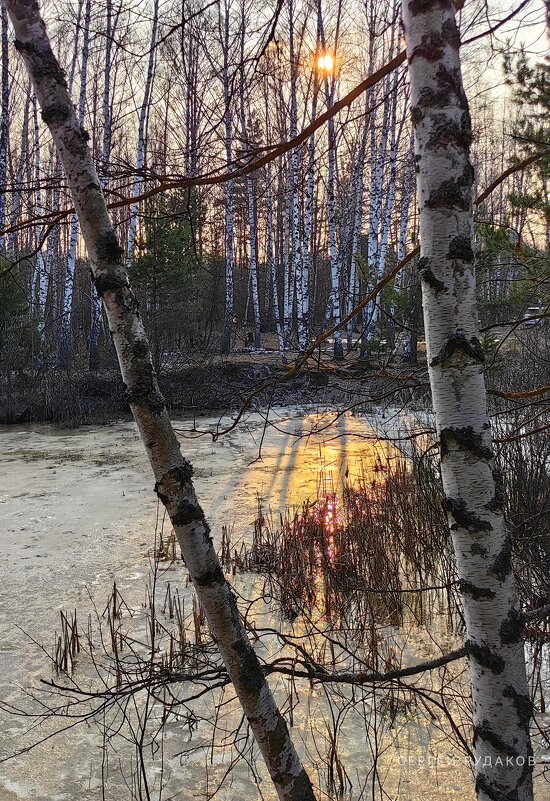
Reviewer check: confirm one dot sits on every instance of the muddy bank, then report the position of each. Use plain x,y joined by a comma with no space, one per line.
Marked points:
202,388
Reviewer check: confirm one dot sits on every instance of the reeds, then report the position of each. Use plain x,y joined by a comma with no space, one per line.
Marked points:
67,643
378,550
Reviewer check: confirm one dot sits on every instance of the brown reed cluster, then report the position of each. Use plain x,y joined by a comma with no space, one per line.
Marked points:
376,551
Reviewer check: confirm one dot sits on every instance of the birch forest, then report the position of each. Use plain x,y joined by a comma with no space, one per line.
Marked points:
274,400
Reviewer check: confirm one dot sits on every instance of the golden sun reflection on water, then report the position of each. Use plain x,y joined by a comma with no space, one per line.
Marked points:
316,457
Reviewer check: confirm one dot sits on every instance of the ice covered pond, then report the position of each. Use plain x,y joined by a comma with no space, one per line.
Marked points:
78,512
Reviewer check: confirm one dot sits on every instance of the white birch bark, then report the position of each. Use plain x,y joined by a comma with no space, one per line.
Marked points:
173,473
142,135
494,632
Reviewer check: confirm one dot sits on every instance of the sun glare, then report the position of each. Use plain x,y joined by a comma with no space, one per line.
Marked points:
325,62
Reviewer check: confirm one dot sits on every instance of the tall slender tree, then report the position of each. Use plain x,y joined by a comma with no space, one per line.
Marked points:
473,488
142,135
4,117
65,340
223,29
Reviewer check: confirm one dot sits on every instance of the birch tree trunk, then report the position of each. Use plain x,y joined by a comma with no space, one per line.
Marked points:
376,200
4,119
105,154
142,126
309,211
173,473
271,267
334,300
38,284
250,198
18,180
65,341
359,180
229,190
298,266
494,633
288,283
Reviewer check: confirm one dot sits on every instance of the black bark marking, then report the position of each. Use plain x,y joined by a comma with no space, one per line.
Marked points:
466,439
302,786
417,115
449,82
179,476
477,549
432,98
484,732
511,629
465,518
108,282
476,593
502,566
460,249
486,658
140,348
522,704
496,503
449,32
108,248
43,63
458,342
56,112
126,299
210,578
450,195
431,48
447,132
483,786
77,145
428,277
466,126
144,390
187,513
183,473
249,666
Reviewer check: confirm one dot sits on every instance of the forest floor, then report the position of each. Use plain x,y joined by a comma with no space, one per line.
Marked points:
199,383
203,384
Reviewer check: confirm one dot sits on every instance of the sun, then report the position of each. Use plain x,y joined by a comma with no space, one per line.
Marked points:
325,62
